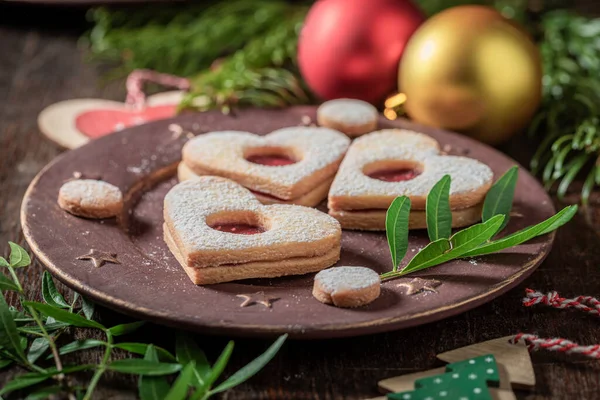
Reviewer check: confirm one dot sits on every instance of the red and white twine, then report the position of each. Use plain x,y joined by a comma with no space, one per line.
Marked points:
587,304
136,79
534,343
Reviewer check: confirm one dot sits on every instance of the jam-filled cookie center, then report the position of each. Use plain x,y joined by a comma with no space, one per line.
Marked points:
272,156
240,229
237,222
393,170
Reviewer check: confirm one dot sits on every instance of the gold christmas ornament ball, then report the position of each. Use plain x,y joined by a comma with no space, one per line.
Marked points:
471,70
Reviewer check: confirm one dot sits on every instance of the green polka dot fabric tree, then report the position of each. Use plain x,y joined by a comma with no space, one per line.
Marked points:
464,380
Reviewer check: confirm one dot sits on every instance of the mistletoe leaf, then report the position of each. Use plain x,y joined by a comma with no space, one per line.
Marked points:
18,256
138,366
437,210
187,351
87,306
23,381
251,368
7,284
142,348
396,228
44,393
460,243
552,223
181,385
499,199
50,294
37,349
219,365
152,387
63,316
124,329
80,345
9,336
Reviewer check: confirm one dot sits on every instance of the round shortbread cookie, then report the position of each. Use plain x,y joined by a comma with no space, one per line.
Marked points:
353,117
90,198
347,286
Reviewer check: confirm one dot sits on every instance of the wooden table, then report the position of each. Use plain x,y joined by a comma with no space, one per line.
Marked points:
40,64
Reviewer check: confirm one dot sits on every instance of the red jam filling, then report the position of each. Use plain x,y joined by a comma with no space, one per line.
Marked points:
240,229
270,196
394,175
272,160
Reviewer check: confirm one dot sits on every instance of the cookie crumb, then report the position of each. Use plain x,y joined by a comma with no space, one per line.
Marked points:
176,130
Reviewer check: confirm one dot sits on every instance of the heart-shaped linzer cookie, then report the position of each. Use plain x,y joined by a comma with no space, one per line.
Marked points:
383,165
313,156
72,123
220,232
310,199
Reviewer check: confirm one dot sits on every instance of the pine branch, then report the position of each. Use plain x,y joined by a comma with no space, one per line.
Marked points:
180,39
568,121
263,73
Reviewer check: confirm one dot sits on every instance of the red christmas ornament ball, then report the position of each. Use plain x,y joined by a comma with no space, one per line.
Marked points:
351,48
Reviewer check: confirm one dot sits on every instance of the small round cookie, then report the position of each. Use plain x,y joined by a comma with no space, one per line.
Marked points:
90,198
347,286
353,117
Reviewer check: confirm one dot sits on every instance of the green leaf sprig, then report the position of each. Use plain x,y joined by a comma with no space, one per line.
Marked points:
476,240
437,206
396,228
28,335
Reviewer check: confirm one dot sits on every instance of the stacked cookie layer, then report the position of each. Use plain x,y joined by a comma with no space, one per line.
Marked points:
314,156
359,200
292,239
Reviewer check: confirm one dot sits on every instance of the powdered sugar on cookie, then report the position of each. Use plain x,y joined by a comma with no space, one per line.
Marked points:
193,206
353,117
416,149
90,198
347,286
317,152
317,147
347,278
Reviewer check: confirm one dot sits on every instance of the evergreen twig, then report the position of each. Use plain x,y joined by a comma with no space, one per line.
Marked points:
568,121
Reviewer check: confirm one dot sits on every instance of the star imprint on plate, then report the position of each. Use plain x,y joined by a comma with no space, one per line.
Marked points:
257,298
418,285
98,258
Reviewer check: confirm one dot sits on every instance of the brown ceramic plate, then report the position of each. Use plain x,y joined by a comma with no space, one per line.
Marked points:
150,284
